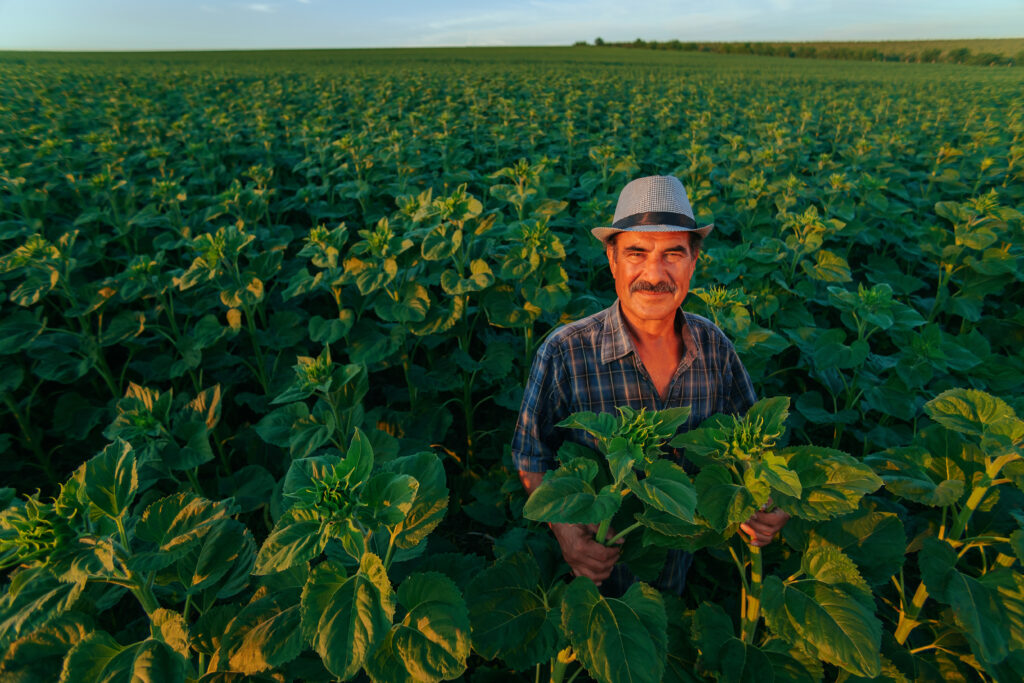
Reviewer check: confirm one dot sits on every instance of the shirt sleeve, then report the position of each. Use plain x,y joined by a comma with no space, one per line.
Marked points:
740,394
545,403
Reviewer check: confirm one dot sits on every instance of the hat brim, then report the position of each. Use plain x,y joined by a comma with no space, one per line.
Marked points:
604,233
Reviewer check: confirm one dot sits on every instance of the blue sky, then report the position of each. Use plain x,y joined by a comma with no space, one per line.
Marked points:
227,24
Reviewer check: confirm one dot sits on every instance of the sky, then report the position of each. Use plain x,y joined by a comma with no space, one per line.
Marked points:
227,24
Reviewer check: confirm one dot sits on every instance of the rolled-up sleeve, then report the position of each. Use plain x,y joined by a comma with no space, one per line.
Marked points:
545,403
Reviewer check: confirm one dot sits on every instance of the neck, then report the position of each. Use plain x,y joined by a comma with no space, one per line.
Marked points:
653,333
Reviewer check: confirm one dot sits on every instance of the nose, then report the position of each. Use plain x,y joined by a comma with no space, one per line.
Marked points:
655,271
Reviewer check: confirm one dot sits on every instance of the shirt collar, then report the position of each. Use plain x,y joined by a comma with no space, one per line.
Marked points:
615,341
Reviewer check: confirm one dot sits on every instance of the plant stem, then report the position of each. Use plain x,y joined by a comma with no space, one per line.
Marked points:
908,618
390,552
43,458
753,605
622,533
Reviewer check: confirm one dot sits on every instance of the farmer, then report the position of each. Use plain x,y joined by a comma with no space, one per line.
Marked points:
642,352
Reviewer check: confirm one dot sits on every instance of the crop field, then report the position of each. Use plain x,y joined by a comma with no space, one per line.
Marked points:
266,319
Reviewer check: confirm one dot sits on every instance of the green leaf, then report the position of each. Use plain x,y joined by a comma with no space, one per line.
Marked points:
389,497
223,559
358,461
989,610
970,411
307,436
600,425
345,617
667,488
33,599
410,304
827,563
566,496
124,325
874,540
617,640
480,278
156,661
431,502
276,426
112,479
264,635
18,330
170,627
1017,543
39,655
666,531
95,658
745,663
776,475
791,664
296,538
712,629
509,617
828,267
722,501
328,331
174,524
827,621
441,242
432,642
832,483
915,474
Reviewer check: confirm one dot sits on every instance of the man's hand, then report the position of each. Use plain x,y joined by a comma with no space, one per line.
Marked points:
580,549
763,526
584,554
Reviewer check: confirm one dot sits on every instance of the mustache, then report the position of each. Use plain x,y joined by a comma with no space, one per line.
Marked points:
658,288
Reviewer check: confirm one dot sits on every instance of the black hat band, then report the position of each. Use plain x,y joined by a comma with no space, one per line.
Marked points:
681,220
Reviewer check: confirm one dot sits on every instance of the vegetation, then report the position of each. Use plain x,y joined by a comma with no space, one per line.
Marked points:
980,52
265,319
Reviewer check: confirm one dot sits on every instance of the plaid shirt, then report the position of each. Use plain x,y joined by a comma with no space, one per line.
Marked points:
591,365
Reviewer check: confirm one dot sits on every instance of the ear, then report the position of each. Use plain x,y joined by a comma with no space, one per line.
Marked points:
609,251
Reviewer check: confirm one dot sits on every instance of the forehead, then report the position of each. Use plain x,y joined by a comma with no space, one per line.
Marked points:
652,241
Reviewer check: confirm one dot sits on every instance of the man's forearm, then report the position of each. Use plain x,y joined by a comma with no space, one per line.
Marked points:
530,480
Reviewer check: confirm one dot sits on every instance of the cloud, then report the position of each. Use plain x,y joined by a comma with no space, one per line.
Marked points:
260,7
489,19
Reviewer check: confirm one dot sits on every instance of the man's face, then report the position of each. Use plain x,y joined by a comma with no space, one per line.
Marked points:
652,272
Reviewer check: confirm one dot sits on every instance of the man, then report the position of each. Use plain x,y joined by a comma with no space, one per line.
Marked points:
643,351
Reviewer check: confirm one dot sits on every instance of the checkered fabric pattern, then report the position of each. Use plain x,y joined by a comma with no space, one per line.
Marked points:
591,365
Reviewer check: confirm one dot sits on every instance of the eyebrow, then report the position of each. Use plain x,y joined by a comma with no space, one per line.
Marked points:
677,249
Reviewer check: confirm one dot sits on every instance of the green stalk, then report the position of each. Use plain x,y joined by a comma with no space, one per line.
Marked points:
752,613
146,598
908,618
260,365
43,458
390,552
623,533
194,480
602,531
559,663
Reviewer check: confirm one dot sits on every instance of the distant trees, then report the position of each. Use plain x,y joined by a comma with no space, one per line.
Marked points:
899,53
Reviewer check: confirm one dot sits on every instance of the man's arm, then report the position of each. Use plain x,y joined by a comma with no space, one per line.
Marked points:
579,547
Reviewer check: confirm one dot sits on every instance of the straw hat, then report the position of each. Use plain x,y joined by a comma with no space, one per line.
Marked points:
656,203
